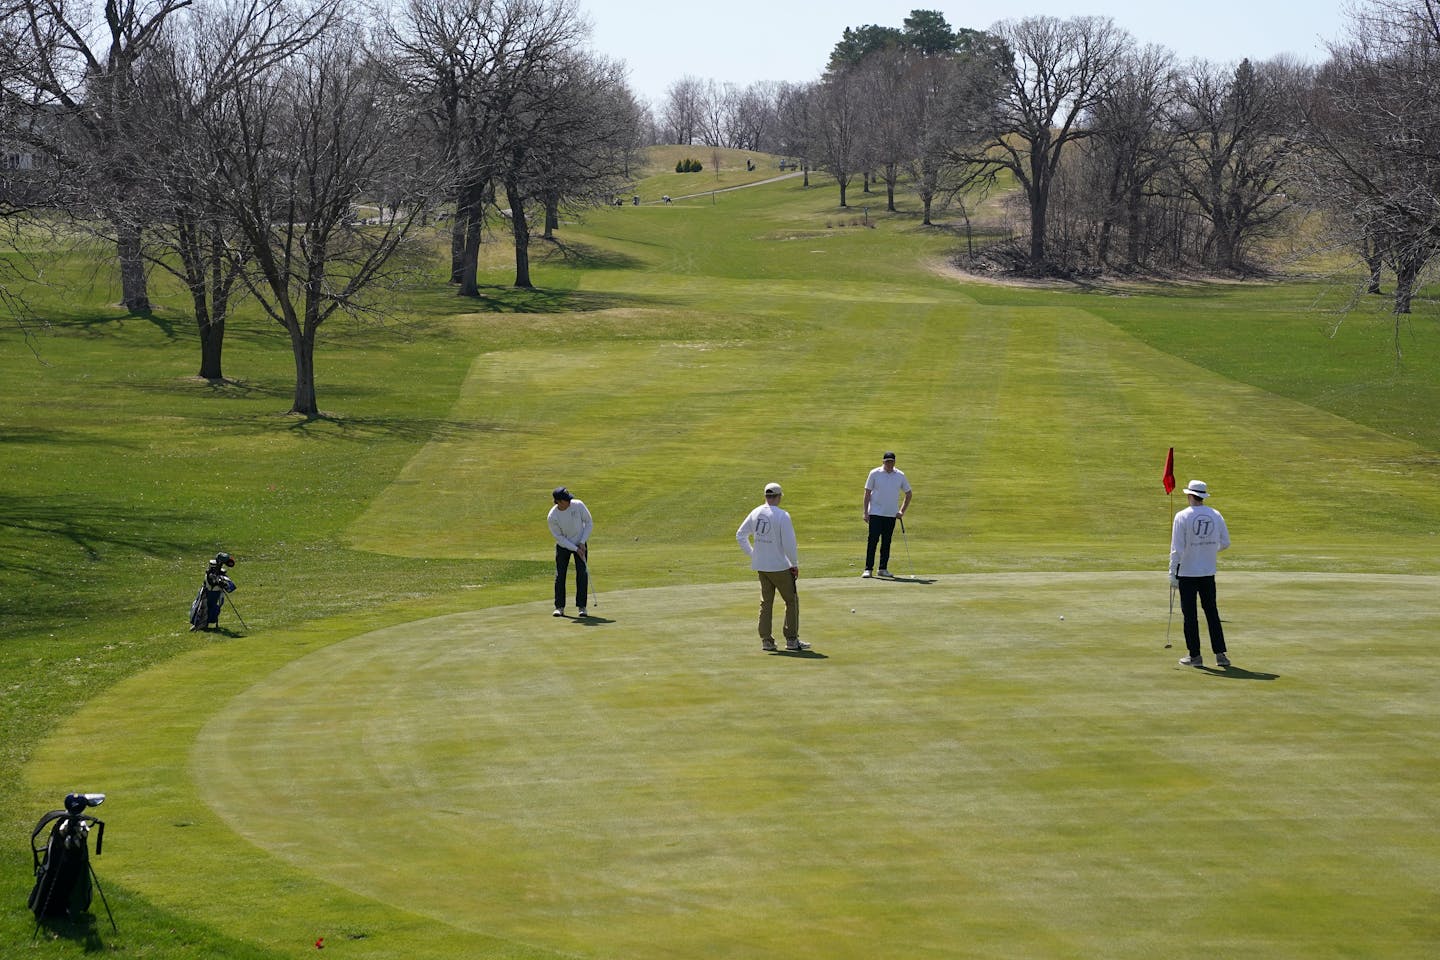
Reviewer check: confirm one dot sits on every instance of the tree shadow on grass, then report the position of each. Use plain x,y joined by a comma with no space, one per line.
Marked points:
590,257
367,429
35,523
534,300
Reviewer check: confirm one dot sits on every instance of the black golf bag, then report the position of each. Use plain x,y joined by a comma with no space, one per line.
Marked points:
205,608
62,867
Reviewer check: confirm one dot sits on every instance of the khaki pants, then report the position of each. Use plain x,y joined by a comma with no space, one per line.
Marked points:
784,582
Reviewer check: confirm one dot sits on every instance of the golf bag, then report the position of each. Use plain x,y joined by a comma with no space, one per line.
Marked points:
205,608
62,868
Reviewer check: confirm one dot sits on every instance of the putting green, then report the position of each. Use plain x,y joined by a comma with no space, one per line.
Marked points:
954,771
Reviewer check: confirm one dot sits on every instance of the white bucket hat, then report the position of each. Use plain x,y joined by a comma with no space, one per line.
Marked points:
1196,488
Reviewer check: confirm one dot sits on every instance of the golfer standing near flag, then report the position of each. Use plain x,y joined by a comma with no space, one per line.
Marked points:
881,509
1198,535
570,525
776,561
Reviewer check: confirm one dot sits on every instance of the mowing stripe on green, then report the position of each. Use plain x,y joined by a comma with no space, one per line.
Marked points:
956,772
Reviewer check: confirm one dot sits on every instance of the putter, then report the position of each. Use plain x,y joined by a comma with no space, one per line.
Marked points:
590,577
1172,616
908,561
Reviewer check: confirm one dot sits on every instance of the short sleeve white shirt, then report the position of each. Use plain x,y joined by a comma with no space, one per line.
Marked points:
885,489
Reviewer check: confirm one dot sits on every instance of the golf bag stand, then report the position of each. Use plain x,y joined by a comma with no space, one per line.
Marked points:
63,874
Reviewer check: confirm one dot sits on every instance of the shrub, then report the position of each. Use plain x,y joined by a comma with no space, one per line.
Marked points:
689,166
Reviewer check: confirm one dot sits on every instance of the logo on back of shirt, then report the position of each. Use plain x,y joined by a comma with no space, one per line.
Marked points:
1203,527
762,526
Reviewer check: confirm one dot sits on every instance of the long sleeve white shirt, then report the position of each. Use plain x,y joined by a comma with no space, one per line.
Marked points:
774,546
1198,535
571,527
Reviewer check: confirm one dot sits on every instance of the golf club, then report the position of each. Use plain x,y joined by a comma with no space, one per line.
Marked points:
237,614
1172,616
590,579
909,563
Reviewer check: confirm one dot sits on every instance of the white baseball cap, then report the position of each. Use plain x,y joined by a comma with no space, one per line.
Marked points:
772,489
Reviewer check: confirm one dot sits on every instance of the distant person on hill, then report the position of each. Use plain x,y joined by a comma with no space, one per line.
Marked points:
1198,535
768,538
882,507
570,525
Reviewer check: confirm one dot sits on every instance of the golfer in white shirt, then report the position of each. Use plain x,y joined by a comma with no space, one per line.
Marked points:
1199,533
881,509
768,538
570,525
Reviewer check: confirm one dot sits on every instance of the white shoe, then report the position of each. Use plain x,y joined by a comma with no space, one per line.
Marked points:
865,575
559,612
796,646
1192,662
582,613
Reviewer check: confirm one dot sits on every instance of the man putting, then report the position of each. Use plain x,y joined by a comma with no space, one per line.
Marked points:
570,525
775,560
1198,535
882,507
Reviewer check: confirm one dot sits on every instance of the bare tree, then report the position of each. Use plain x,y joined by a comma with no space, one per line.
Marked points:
297,147
1132,147
1060,70
80,77
1374,162
682,111
1240,128
885,77
838,129
586,137
200,64
796,112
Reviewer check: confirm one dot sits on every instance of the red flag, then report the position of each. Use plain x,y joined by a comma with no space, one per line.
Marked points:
1169,478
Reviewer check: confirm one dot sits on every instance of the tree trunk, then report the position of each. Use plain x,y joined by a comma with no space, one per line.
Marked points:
134,294
1375,262
470,225
1407,269
302,344
552,216
521,231
212,343
1037,234
926,198
843,185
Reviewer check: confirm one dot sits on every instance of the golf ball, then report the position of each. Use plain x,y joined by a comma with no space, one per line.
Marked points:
1062,616
852,609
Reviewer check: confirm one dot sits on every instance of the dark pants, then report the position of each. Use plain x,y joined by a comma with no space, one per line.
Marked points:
882,530
582,577
1202,589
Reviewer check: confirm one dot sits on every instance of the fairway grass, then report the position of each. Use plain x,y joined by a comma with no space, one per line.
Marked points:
954,771
405,754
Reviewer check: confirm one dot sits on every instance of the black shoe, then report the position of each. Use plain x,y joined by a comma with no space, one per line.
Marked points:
1221,659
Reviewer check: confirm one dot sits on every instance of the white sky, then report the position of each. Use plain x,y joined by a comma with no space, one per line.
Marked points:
741,43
